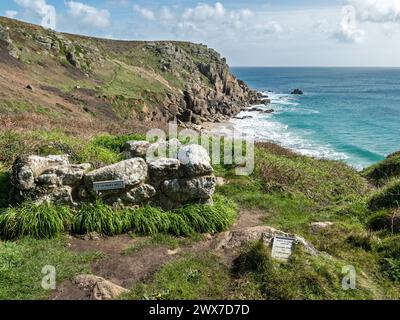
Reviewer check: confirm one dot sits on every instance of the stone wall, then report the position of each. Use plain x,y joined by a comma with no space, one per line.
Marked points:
146,176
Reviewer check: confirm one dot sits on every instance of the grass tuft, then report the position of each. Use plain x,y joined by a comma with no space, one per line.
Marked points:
97,217
387,197
29,219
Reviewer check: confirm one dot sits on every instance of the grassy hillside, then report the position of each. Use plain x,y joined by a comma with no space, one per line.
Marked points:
286,191
105,85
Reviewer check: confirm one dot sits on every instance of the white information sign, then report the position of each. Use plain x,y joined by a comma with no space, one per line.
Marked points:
108,185
282,248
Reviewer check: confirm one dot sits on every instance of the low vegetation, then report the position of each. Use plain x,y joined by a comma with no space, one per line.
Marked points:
289,191
22,263
48,221
385,170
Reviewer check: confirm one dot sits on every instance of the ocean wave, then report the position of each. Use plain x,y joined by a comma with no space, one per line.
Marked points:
274,131
264,127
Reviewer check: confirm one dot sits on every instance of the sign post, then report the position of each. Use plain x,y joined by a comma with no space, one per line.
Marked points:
282,248
108,185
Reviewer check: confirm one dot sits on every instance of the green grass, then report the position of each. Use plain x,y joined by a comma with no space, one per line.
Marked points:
97,217
322,181
5,187
21,264
383,171
47,221
291,192
387,197
163,240
115,143
28,219
186,221
310,277
99,151
191,277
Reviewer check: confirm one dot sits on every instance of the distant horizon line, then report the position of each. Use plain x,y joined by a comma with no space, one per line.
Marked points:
326,67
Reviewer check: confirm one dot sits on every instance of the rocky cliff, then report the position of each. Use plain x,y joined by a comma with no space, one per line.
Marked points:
57,75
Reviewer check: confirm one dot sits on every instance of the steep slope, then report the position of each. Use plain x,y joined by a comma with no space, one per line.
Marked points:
56,76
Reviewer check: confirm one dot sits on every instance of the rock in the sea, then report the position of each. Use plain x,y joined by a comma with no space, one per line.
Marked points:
243,118
98,287
132,171
136,149
266,101
297,91
268,111
27,169
195,161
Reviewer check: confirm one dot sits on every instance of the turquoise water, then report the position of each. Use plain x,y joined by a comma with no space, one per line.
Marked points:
349,114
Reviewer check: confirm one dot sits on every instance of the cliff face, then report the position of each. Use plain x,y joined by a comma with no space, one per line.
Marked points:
61,75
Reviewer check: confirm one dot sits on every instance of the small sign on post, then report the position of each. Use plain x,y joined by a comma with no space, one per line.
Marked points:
282,248
108,185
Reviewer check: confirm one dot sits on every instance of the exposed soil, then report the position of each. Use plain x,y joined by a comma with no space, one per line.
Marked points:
129,269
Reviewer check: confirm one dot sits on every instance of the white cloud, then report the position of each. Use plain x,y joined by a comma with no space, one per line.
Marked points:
349,31
122,3
145,13
376,10
166,14
203,12
11,14
269,28
204,22
88,15
208,23
45,11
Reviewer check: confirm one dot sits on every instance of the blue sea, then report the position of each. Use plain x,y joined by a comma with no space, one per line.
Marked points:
348,114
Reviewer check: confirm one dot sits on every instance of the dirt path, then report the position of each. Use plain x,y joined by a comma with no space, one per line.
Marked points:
128,269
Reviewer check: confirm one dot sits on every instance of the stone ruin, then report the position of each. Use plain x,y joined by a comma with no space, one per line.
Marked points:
147,175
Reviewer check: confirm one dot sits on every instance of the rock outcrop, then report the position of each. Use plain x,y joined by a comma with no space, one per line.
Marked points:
237,238
169,182
98,288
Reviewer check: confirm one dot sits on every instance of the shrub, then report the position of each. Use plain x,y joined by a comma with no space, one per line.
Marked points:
385,220
78,149
255,259
5,187
98,217
387,197
322,181
385,170
14,144
303,276
116,143
391,268
389,252
29,219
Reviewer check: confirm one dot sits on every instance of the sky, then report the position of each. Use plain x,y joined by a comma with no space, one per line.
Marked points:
247,33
